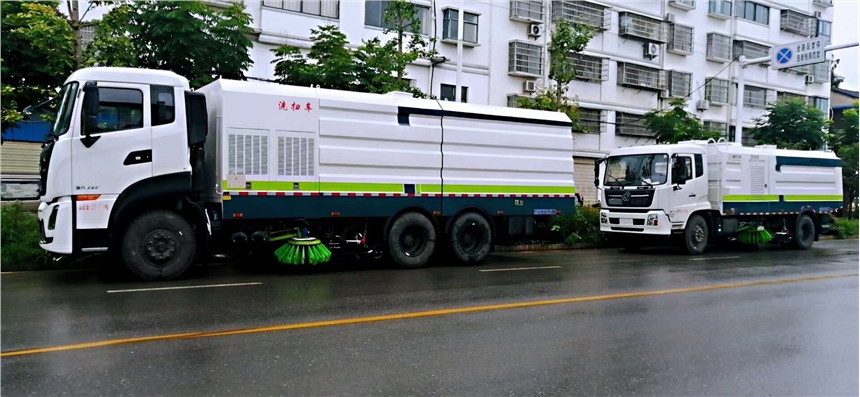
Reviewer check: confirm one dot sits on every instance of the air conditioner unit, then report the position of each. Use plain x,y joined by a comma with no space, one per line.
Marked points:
810,79
535,30
703,104
663,94
670,18
529,86
652,50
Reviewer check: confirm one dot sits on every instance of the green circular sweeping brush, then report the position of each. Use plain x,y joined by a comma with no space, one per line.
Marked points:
754,235
301,251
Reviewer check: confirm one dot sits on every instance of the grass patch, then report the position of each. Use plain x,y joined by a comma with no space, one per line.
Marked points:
846,228
19,231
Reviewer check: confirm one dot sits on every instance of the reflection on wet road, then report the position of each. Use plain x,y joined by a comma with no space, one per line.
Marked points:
580,322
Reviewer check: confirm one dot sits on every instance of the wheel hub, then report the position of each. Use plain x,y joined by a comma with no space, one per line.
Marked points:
160,246
698,235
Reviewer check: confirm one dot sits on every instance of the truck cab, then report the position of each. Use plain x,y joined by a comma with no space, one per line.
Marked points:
124,141
652,190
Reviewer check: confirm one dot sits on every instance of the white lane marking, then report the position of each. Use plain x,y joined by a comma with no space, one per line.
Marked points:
519,268
715,258
115,291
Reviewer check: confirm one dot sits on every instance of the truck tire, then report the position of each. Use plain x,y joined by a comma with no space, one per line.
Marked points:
804,232
471,238
159,245
696,235
411,240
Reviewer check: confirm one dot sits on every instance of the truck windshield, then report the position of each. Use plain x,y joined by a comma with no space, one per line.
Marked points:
67,106
637,170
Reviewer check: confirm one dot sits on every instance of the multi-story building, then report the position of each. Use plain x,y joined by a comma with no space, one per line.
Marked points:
644,54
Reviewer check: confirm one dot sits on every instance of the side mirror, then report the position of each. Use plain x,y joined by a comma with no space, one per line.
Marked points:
597,171
90,106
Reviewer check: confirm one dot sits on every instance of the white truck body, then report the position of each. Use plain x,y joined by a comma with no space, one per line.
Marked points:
725,181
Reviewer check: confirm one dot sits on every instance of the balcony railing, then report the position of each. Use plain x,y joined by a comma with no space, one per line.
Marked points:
584,12
527,10
798,23
635,25
633,75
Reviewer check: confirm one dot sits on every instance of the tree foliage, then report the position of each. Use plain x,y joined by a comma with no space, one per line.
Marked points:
791,124
844,141
186,37
567,38
376,66
37,47
675,124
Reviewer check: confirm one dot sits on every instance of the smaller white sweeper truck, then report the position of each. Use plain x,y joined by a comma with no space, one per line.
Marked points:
140,165
701,192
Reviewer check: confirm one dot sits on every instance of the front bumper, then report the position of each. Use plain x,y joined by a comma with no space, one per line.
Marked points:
55,226
652,222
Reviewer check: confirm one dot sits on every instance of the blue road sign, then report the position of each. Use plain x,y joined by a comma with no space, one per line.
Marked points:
783,56
799,53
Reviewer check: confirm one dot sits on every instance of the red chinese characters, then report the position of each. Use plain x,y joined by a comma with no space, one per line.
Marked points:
282,105
308,107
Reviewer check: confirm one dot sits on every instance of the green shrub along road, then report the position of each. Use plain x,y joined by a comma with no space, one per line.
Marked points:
19,231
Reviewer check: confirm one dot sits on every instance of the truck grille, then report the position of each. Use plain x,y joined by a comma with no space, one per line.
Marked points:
629,198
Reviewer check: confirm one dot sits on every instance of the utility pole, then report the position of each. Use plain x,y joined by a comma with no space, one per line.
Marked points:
739,94
458,89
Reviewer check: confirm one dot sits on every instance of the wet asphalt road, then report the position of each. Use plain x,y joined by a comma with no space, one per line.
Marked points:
794,338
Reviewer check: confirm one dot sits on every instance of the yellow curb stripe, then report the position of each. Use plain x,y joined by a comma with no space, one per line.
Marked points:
404,316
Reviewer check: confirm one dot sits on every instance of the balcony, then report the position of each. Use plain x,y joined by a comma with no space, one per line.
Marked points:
823,3
590,68
639,26
719,48
584,12
633,75
525,59
683,4
798,23
631,125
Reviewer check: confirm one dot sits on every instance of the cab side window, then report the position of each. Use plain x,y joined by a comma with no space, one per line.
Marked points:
120,109
688,167
161,102
700,167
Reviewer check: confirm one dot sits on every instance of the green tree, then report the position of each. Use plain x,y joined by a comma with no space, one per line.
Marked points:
844,142
401,17
186,37
675,124
567,38
37,47
791,124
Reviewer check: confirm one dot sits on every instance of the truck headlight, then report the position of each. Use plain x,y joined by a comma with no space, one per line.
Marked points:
604,218
652,220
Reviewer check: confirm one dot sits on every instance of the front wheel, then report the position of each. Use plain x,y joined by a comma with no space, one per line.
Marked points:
696,235
471,238
159,244
411,240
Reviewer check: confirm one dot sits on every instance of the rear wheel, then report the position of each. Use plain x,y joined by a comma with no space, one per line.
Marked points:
471,238
696,235
804,232
411,240
159,245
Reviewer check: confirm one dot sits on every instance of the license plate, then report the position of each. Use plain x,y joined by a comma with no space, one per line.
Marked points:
626,221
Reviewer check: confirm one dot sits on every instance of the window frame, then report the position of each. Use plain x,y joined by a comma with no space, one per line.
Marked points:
686,49
154,94
464,93
423,14
301,4
450,24
756,10
101,89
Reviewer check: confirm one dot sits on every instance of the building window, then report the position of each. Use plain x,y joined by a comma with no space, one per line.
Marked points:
754,12
643,27
589,120
720,8
683,4
681,39
584,12
782,96
798,23
819,103
322,8
514,100
755,96
717,91
374,15
630,124
525,59
716,126
120,109
821,71
825,29
719,47
450,25
527,10
751,50
634,75
87,34
447,93
680,83
590,68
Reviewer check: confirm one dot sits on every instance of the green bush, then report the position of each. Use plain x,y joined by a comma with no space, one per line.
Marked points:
19,231
846,228
583,226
